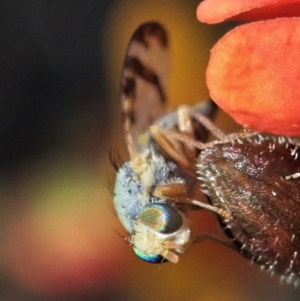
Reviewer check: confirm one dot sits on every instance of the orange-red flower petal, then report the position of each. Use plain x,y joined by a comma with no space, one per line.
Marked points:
215,11
254,75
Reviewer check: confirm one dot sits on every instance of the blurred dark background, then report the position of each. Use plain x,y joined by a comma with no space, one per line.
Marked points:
52,75
60,65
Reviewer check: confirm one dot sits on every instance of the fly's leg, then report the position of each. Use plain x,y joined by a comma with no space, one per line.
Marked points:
170,145
224,213
222,138
192,123
208,124
204,236
185,128
183,154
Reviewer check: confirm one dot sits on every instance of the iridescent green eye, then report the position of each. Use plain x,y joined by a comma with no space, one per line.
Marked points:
151,258
161,217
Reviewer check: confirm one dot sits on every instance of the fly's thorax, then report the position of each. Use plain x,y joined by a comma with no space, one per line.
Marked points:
133,189
129,198
160,233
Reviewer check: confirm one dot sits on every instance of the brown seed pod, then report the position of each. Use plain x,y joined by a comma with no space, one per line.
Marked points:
257,181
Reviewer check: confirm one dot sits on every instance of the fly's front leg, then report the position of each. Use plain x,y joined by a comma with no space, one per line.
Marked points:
181,153
205,236
185,132
222,212
185,128
208,124
169,146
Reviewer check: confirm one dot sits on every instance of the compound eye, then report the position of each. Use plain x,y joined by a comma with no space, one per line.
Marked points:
161,218
158,218
151,258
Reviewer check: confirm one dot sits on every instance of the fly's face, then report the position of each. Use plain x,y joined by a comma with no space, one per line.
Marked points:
152,189
160,232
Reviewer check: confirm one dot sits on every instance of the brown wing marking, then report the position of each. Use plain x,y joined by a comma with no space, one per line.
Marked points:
136,67
143,84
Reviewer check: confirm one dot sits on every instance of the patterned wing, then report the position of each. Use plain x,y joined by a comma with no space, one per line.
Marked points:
143,84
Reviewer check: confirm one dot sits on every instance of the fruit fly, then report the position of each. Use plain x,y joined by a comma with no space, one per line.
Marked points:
250,180
153,188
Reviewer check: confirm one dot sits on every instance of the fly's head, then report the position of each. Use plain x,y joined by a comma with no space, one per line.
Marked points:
160,232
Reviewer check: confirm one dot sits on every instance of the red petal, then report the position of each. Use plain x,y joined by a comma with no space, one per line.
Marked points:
215,11
254,75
